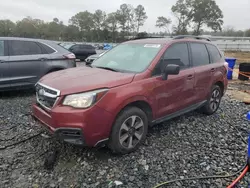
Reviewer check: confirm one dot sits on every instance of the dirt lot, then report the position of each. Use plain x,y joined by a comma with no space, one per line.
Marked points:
242,57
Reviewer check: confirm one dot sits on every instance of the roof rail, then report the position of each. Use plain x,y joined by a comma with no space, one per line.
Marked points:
147,37
191,36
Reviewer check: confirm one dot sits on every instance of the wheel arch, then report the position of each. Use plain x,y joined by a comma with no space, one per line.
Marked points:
221,85
139,102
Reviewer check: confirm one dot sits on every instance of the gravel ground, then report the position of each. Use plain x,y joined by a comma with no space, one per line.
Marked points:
191,145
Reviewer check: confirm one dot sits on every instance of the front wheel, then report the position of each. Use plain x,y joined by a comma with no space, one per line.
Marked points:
129,131
213,102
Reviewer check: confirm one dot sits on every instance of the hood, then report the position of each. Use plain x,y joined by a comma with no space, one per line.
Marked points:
81,79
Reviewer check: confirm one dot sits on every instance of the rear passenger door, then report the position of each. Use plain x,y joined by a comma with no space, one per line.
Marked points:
4,66
203,70
25,62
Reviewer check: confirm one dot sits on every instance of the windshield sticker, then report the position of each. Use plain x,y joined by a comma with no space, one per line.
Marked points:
152,45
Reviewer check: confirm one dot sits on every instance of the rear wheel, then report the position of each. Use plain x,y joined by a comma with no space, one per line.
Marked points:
213,102
129,131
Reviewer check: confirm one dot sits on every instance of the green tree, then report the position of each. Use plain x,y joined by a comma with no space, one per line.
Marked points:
163,22
99,18
55,30
208,13
142,35
131,19
183,11
140,16
84,21
247,33
71,33
125,17
56,20
7,28
27,28
112,24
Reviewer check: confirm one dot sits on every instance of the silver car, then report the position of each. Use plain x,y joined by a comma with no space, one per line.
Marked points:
92,58
24,61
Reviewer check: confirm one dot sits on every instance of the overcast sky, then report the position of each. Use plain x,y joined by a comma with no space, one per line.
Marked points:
236,13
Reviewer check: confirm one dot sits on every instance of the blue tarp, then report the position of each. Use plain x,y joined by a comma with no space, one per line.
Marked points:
107,46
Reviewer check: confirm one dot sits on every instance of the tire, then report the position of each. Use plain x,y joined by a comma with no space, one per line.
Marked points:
213,102
127,136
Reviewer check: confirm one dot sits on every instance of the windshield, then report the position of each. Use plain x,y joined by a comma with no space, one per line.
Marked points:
128,57
67,46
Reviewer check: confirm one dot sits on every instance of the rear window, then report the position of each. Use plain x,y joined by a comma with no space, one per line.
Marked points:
47,49
67,46
214,53
199,53
24,48
86,46
1,48
90,47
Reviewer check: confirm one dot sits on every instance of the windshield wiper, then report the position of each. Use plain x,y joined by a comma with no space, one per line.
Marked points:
108,68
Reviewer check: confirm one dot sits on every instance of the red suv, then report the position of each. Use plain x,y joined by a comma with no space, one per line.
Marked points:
135,85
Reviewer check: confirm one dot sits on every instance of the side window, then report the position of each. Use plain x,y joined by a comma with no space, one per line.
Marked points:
24,48
47,49
1,48
214,53
199,53
175,54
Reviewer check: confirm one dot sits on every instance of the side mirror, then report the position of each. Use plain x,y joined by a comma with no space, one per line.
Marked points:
170,69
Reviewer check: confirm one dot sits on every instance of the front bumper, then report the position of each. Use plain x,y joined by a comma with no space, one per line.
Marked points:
86,127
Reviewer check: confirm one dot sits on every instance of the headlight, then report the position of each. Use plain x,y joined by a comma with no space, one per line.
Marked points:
84,100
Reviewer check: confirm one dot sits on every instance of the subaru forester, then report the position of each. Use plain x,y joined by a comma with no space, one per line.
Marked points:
137,84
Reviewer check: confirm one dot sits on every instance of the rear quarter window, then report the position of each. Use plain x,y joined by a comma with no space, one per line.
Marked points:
75,47
47,49
214,53
200,56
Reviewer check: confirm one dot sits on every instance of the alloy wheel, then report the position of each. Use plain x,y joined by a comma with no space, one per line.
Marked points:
215,100
131,132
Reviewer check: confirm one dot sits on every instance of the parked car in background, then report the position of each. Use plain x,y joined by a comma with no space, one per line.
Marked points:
135,85
81,51
92,58
24,61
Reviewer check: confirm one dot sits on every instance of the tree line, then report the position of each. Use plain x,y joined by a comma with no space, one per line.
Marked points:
191,17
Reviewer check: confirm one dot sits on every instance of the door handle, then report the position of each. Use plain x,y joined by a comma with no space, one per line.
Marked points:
190,77
212,69
2,61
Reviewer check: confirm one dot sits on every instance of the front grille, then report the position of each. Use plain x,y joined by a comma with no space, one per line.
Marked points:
46,96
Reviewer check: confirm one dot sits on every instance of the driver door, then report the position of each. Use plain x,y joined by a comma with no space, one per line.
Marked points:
177,92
